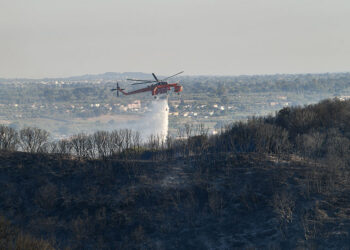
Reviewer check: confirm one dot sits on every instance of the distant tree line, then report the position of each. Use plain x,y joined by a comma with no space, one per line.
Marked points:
312,83
315,131
35,92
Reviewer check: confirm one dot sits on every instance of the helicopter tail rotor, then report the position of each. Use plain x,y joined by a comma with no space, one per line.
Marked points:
117,89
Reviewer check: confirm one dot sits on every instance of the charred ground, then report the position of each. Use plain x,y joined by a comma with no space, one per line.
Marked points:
277,182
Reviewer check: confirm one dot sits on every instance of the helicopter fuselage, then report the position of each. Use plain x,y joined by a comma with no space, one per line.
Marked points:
156,89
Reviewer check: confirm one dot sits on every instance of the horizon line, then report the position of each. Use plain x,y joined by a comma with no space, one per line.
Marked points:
188,75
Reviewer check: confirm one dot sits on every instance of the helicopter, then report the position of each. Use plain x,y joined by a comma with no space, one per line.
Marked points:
156,86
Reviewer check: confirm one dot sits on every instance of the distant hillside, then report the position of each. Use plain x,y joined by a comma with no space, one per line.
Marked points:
278,182
111,76
104,76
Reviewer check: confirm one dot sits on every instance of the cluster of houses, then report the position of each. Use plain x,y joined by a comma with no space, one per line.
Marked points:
204,111
344,97
134,106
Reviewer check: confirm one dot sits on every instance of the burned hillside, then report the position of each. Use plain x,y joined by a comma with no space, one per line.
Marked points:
277,182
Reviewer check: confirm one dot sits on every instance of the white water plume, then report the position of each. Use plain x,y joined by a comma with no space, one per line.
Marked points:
156,120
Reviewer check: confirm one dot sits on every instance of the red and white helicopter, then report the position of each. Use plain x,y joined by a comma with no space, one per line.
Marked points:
156,86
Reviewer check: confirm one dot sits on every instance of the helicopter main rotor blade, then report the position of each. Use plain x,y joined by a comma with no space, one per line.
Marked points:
155,77
172,76
136,83
137,80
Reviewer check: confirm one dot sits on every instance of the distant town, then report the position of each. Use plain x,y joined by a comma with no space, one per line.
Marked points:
86,104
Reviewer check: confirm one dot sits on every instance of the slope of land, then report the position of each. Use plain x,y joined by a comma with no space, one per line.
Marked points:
272,183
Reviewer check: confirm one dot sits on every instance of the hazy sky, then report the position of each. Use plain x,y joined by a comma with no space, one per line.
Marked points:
53,38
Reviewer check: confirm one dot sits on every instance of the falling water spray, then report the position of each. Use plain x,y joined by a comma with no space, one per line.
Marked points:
155,122
152,122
